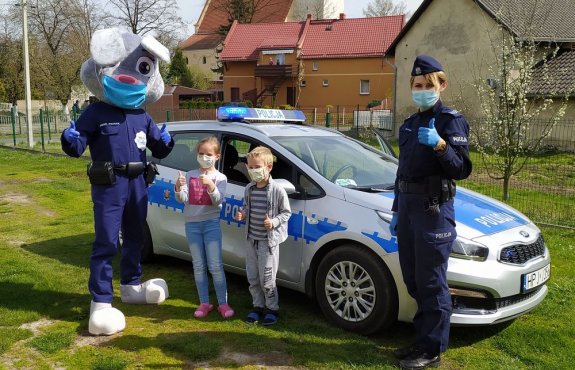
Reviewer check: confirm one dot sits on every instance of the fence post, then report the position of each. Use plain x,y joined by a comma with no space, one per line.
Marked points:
337,118
42,129
357,124
168,114
191,113
13,119
327,118
343,117
314,116
48,122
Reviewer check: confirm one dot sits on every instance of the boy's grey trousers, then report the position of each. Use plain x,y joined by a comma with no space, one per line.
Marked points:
261,269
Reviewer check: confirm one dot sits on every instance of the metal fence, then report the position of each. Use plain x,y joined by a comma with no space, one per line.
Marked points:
544,190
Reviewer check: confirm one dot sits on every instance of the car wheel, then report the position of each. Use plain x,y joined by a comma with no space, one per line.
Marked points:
148,248
355,290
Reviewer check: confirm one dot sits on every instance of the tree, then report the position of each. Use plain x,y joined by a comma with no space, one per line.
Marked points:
523,101
11,68
144,16
179,73
317,9
241,10
380,8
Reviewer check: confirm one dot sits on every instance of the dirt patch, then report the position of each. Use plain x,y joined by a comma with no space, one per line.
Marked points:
86,339
35,326
42,179
23,199
269,360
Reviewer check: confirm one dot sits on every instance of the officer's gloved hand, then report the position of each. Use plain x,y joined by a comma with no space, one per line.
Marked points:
429,136
70,134
393,224
165,135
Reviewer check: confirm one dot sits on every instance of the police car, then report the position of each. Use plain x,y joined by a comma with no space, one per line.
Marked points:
339,250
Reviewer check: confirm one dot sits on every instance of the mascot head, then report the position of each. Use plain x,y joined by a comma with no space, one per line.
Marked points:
124,68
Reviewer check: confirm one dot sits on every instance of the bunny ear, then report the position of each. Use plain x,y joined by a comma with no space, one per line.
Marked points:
107,47
153,46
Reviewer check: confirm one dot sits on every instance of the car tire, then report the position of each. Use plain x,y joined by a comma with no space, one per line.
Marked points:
355,290
148,247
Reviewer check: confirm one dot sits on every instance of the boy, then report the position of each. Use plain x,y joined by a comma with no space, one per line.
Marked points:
266,210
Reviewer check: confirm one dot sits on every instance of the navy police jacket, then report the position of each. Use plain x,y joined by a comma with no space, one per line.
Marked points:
418,161
117,135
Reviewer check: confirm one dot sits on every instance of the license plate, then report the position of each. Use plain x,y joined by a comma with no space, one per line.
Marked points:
534,279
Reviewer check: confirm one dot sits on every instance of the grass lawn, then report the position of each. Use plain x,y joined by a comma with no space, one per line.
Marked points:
45,241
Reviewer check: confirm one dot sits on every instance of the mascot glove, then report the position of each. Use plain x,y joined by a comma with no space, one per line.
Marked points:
70,134
393,224
165,135
153,291
429,136
105,319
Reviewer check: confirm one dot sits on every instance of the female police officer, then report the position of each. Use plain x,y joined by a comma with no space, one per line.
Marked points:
434,151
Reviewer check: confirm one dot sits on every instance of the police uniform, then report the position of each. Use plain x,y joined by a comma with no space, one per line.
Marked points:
426,222
119,136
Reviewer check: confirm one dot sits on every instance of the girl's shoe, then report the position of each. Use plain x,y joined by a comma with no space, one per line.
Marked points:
203,310
226,311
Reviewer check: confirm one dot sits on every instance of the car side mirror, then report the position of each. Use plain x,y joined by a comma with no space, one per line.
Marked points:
288,186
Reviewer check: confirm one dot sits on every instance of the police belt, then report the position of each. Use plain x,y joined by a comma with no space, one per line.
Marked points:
413,187
131,169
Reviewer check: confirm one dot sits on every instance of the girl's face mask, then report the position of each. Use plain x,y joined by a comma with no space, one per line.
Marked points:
206,161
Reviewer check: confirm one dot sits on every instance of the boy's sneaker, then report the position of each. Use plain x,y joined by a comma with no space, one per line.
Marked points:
254,316
270,318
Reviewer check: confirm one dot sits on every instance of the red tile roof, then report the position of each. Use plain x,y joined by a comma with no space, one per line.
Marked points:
245,40
351,37
334,38
268,11
201,42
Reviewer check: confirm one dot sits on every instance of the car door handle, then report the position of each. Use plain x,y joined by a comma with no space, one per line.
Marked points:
312,221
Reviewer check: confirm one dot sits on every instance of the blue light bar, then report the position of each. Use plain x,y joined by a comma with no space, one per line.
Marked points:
258,114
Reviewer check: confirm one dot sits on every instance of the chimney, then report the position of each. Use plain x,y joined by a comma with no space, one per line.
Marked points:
341,16
308,16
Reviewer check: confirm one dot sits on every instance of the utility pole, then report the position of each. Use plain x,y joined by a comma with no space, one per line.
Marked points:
24,4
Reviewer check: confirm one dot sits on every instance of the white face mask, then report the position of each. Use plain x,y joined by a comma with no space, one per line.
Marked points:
206,161
258,174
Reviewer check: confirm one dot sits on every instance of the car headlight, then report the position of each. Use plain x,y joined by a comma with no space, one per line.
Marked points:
469,250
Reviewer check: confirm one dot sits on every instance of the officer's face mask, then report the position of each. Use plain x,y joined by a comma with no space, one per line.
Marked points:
206,161
258,174
124,95
424,99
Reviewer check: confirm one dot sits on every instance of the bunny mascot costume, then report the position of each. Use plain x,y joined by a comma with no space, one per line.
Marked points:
123,74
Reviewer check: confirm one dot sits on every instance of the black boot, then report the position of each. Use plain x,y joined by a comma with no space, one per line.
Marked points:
405,352
420,360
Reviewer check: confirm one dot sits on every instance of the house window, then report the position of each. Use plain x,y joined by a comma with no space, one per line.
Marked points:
204,61
315,66
235,94
364,87
302,83
187,62
325,83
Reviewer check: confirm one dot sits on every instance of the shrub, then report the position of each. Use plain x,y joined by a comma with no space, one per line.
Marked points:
373,103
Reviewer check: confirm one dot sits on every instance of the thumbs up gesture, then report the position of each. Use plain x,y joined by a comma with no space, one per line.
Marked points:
70,134
181,181
205,179
268,224
165,135
429,136
240,214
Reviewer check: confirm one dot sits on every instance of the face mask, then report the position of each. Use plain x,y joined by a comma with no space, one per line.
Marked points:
424,99
123,95
257,174
206,161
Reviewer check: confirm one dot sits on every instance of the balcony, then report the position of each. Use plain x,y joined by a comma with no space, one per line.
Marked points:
284,70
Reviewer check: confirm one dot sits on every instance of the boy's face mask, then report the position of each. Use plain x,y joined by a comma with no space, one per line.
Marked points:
424,99
258,174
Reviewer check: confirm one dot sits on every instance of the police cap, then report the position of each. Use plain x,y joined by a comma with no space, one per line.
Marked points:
425,64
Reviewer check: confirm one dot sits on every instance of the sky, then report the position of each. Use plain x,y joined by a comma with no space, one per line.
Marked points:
191,9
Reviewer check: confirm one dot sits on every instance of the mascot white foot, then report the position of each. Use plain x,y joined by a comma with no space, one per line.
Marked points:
153,291
105,319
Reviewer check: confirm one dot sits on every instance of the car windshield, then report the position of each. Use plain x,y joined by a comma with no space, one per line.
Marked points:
343,161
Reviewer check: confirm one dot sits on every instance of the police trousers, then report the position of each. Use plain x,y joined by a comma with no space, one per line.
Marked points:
424,241
125,205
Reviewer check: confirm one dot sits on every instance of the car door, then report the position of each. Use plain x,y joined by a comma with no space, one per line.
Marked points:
234,233
166,221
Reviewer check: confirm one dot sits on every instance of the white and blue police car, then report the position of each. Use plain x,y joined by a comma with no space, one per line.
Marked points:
339,250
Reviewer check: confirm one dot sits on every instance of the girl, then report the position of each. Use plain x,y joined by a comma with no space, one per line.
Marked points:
202,192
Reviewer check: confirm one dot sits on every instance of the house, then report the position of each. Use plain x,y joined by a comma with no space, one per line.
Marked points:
201,49
169,104
459,34
314,63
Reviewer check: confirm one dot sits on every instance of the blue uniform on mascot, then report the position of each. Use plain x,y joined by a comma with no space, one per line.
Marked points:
123,73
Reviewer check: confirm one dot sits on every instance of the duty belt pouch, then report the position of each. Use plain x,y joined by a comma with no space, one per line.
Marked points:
134,169
151,172
101,173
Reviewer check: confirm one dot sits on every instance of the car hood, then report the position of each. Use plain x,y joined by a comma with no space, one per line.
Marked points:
476,215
